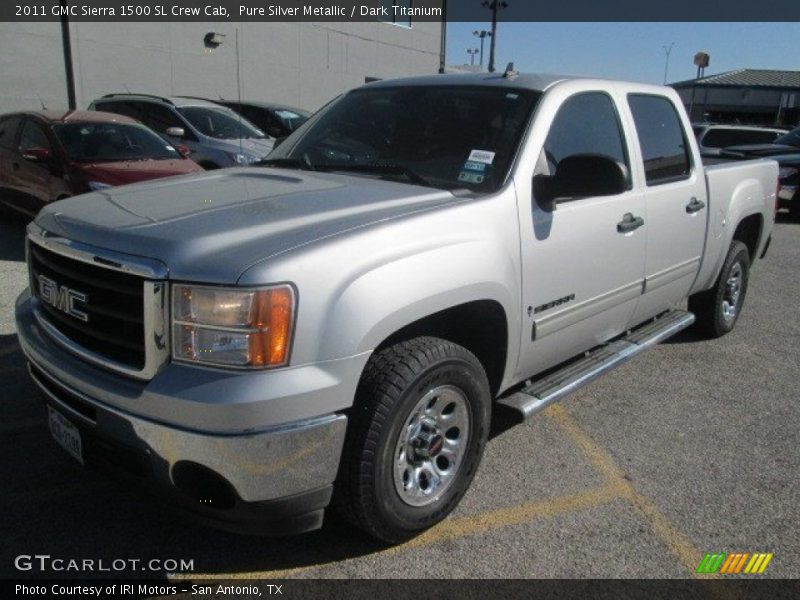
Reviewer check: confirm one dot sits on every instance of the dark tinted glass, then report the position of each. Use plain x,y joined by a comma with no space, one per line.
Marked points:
220,122
8,132
721,138
586,124
661,138
453,136
160,118
33,136
112,142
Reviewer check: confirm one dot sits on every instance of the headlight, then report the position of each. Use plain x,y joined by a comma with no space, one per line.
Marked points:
98,185
785,172
232,327
242,159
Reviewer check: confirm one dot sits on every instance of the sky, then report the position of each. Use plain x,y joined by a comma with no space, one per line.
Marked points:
631,51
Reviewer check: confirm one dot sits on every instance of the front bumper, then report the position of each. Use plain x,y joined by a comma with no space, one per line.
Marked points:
276,479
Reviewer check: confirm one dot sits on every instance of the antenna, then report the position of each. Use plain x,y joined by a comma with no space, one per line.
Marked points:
126,87
510,73
41,102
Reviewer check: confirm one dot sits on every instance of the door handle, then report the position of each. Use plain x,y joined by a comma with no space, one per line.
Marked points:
695,205
629,223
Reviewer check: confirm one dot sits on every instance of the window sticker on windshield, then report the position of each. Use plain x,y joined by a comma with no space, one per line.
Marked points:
512,96
471,165
170,148
481,156
470,177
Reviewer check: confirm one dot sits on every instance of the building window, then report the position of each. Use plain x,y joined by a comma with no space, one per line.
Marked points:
399,12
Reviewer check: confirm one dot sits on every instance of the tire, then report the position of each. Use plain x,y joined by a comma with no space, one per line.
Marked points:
794,208
416,435
718,309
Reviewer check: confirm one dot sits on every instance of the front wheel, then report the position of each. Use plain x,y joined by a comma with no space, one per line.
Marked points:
718,309
415,438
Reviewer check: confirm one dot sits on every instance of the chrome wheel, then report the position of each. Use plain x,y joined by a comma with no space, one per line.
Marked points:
732,293
431,446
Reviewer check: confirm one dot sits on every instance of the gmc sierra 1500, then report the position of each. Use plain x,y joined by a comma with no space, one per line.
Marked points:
339,321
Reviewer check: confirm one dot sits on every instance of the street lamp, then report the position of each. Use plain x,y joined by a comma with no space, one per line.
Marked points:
472,52
494,6
667,51
483,34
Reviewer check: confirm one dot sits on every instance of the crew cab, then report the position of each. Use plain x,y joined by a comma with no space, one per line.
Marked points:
338,322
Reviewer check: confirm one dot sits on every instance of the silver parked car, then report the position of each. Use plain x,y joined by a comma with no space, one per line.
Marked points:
215,136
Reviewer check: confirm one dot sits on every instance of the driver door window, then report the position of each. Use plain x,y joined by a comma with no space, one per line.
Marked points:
585,124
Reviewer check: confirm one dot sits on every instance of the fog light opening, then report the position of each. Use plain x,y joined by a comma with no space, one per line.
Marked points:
203,485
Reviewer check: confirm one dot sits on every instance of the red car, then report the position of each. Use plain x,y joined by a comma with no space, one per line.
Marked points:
50,155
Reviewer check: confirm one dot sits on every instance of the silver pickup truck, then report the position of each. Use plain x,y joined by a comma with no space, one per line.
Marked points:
338,323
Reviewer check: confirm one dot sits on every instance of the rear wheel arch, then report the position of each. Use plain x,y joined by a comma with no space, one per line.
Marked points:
748,231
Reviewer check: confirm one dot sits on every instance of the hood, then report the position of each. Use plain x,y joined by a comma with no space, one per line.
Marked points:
212,227
258,148
132,171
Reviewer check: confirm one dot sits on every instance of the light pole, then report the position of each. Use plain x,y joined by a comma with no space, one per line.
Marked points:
472,52
494,6
483,34
667,51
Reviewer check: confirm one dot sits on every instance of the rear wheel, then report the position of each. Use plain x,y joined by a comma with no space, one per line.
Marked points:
415,438
718,309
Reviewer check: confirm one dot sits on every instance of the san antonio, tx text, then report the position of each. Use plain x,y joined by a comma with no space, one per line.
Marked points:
278,10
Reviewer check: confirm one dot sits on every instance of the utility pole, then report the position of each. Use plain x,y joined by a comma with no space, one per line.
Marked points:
472,52
668,51
495,6
66,42
482,34
443,40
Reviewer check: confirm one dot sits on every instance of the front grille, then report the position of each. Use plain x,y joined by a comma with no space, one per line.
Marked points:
114,306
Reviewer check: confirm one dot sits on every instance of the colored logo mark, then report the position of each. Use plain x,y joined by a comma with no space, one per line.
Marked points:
734,563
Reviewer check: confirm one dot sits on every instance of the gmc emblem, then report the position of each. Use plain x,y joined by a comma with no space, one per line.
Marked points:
62,298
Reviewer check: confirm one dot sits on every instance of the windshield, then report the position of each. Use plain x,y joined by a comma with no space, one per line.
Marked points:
112,142
449,136
291,119
220,122
790,139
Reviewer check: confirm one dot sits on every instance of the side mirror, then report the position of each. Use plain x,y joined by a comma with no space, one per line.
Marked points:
178,132
36,154
183,150
580,176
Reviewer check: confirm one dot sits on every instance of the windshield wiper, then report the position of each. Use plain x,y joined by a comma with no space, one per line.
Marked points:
387,168
286,162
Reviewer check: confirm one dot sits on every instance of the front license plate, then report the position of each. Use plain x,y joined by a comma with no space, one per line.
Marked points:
66,434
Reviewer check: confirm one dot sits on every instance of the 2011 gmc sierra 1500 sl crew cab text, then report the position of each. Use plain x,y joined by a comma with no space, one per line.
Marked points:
338,322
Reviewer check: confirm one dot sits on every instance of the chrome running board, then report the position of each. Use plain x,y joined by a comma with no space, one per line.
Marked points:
576,374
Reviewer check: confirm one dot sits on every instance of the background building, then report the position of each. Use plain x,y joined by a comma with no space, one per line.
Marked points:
300,64
755,96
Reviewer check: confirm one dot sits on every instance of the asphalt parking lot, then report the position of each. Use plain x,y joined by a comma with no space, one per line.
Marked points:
690,448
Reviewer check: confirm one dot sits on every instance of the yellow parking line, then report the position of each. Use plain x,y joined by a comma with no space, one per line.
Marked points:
459,527
676,541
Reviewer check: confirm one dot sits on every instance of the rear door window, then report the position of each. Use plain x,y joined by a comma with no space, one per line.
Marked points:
33,136
8,132
661,137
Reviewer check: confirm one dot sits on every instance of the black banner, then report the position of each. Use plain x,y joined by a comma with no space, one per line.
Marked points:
409,589
399,11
